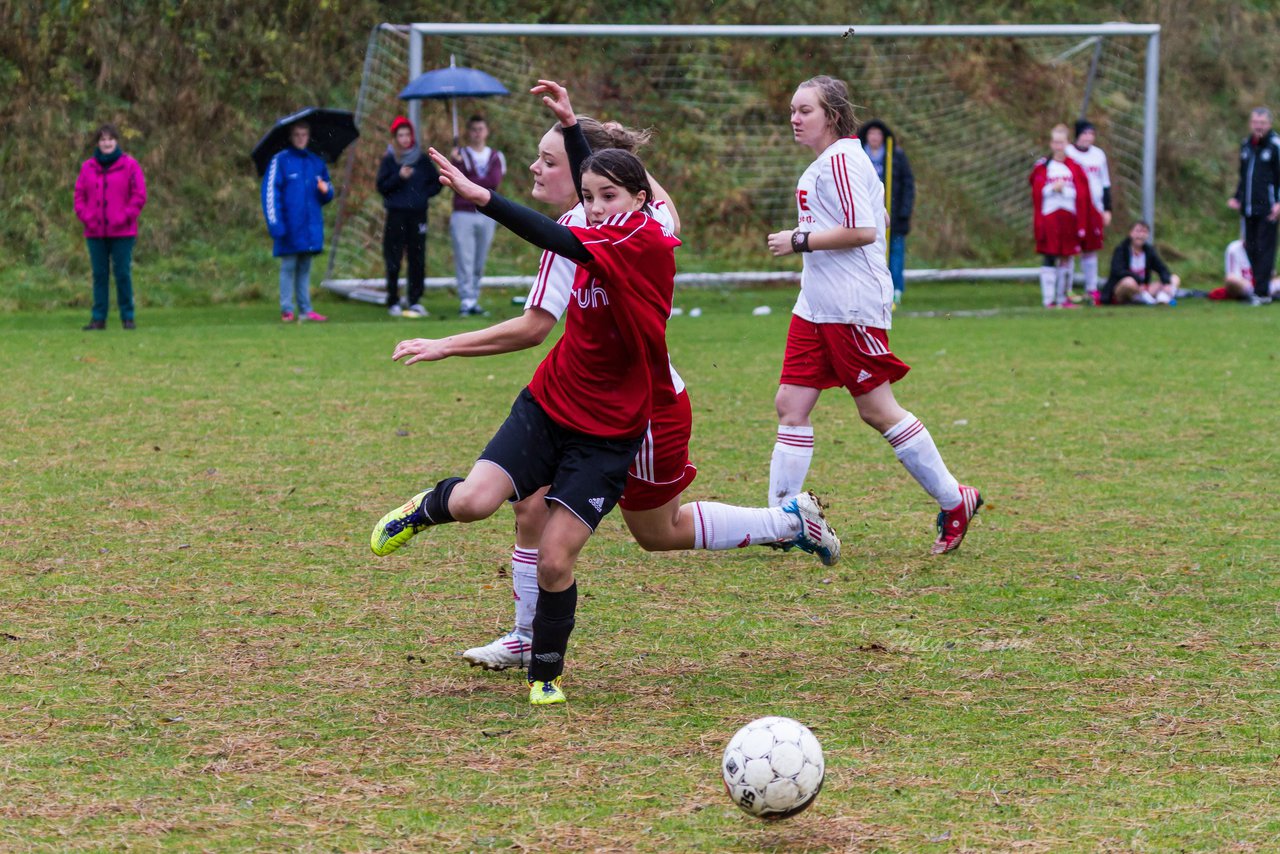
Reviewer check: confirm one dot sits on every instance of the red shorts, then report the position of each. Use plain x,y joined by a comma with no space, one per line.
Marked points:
661,470
826,355
1092,238
1057,235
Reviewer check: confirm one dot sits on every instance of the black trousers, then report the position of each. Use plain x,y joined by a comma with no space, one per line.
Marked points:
405,231
1260,246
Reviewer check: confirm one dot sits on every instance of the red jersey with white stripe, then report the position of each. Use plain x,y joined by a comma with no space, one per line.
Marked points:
598,379
553,285
841,188
1094,163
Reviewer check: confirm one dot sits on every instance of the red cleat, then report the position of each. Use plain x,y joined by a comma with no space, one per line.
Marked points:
953,524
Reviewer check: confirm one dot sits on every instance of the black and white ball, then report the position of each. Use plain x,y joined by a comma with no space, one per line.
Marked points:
773,767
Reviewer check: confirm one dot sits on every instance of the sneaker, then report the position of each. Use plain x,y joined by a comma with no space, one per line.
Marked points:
510,650
953,524
1067,305
400,525
416,310
128,324
1144,298
315,317
1095,297
286,317
473,311
816,536
545,693
1254,299
95,325
395,311
1074,298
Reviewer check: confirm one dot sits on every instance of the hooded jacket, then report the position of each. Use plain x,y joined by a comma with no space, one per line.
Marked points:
406,194
1259,185
291,201
109,200
903,188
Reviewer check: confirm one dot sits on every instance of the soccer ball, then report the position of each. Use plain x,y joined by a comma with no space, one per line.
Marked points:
773,767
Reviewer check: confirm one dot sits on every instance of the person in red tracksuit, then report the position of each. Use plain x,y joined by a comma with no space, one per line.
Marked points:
1062,213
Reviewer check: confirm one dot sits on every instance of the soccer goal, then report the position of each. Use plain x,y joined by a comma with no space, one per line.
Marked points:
971,105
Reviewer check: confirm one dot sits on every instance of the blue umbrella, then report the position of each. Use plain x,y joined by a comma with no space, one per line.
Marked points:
455,81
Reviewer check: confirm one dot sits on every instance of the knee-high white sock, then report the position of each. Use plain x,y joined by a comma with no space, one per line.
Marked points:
1089,265
1048,285
1064,281
723,526
915,449
524,584
792,453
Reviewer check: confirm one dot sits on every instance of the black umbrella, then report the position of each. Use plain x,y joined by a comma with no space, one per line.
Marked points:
331,132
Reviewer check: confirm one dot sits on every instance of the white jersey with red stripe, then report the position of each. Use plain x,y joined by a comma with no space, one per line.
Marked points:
554,282
1060,189
1094,163
841,189
1237,261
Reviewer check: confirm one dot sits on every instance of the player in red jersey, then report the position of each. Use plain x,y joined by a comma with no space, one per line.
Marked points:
626,256
839,328
1062,214
651,501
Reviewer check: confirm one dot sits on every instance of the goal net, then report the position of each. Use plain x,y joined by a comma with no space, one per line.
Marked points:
973,113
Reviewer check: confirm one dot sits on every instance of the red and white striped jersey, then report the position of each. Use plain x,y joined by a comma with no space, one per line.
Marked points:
841,189
1094,163
554,282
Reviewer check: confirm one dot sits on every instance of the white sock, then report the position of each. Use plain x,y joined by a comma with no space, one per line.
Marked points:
792,453
524,584
723,526
1064,283
915,449
1048,279
1089,265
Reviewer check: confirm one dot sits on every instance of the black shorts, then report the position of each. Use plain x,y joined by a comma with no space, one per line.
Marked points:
586,473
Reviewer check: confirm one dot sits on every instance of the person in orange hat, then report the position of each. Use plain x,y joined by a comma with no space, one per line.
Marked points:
407,181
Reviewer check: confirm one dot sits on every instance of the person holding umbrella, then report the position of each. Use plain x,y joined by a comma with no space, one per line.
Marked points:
470,230
295,188
407,181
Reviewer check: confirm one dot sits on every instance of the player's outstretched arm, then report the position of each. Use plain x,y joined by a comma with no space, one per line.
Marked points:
519,333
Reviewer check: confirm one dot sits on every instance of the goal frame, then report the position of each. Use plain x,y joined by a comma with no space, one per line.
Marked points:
418,31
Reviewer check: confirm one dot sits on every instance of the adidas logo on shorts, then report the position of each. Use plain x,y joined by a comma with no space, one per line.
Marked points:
864,375
597,503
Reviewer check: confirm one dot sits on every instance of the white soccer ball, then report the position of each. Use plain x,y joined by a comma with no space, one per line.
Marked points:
773,767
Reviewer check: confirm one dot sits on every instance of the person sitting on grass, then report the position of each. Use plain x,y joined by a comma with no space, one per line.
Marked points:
1132,264
1237,280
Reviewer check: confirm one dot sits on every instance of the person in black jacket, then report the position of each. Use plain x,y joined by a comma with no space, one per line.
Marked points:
407,180
1132,265
877,139
1257,195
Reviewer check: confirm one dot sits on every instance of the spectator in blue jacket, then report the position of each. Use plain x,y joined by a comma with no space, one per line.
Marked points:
296,186
407,179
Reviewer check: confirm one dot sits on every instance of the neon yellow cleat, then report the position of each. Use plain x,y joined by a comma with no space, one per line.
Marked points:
546,693
399,526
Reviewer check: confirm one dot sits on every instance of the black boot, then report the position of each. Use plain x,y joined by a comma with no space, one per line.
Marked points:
95,324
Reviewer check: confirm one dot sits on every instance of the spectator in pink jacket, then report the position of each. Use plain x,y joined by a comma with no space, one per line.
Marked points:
110,194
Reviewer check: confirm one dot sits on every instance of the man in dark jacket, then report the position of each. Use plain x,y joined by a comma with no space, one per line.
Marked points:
407,179
900,185
1257,195
1132,266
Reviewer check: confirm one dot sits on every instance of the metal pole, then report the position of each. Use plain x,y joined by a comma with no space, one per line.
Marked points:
1093,76
415,68
1149,132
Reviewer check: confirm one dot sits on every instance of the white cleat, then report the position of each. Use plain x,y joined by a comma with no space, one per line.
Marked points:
816,536
510,650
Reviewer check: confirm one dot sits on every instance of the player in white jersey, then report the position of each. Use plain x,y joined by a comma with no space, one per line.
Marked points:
839,328
1093,160
650,503
1237,281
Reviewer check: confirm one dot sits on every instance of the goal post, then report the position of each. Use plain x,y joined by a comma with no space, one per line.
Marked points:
970,104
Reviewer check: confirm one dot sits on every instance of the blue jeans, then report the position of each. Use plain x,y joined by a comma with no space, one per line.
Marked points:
107,254
295,279
897,261
471,233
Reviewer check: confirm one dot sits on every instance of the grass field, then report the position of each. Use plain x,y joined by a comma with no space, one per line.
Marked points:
198,651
